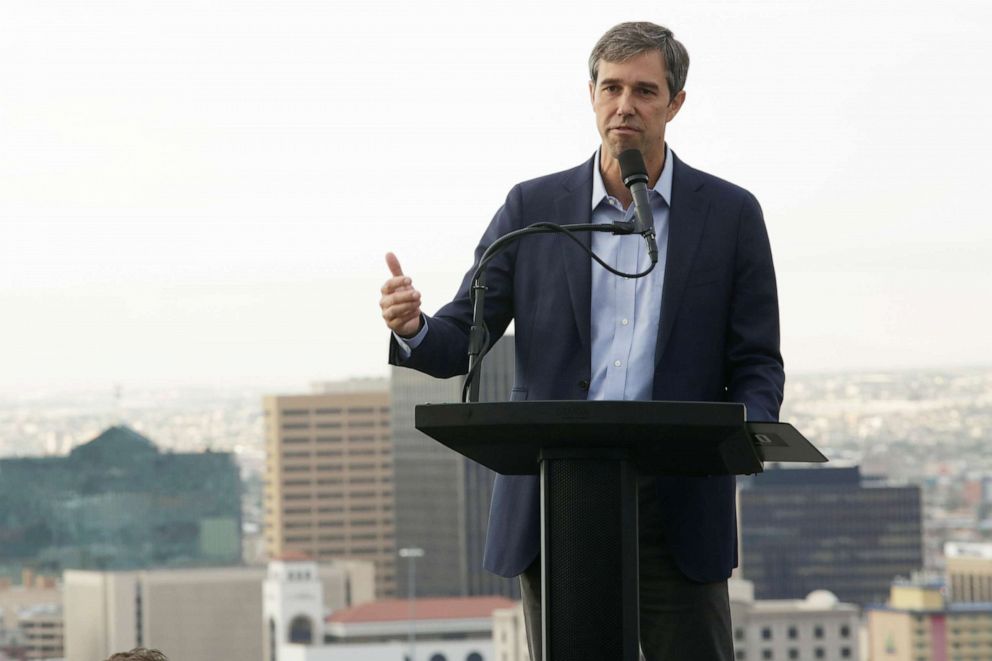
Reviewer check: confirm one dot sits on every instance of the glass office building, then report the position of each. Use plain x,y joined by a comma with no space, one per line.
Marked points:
828,529
117,502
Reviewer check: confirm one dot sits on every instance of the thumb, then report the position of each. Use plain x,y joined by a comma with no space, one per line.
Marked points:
393,264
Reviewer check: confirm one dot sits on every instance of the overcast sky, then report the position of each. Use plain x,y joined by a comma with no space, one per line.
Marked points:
202,192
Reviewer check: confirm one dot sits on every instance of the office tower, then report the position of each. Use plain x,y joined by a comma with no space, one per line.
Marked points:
329,476
117,502
442,499
190,614
809,529
969,571
918,623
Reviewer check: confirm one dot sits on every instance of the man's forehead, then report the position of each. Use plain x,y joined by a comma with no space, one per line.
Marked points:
645,62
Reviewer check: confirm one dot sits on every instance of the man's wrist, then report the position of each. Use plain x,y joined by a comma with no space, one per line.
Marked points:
420,327
408,344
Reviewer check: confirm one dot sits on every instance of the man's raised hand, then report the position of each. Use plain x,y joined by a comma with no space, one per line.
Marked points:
400,302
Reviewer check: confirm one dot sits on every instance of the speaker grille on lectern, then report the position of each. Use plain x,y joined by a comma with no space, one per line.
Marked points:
585,524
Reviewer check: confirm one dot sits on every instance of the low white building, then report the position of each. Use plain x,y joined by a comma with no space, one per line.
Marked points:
426,629
510,634
817,627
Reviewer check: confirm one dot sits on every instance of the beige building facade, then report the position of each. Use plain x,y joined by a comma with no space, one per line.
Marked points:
918,624
818,627
969,571
194,615
190,614
329,476
42,632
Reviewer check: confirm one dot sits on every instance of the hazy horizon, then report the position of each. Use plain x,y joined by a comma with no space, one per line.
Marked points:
204,194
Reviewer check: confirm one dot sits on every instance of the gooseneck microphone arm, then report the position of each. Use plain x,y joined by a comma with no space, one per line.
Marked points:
478,337
634,173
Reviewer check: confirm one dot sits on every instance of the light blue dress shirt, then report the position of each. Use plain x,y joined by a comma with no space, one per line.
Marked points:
625,312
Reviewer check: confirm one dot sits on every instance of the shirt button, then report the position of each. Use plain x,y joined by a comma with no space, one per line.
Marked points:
625,322
616,363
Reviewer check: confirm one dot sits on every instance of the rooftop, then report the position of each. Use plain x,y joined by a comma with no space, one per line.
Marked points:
398,610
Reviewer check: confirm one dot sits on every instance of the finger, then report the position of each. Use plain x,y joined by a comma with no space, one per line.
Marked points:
400,297
393,264
401,313
399,283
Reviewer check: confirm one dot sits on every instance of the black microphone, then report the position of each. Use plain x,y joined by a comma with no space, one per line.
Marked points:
635,177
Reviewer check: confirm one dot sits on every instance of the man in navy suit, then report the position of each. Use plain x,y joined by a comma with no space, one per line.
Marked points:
703,326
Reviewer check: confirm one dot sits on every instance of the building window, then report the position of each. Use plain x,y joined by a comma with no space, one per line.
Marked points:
739,633
438,657
845,652
474,656
301,630
793,653
766,633
793,633
819,653
767,654
740,655
818,632
845,631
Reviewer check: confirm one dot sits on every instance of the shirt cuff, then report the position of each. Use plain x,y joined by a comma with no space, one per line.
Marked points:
408,344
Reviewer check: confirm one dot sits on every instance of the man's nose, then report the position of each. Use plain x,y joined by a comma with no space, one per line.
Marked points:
625,104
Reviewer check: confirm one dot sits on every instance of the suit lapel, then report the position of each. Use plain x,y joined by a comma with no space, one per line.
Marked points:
575,207
686,220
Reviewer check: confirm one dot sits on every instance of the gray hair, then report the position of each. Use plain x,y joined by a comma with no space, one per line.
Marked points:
139,654
628,40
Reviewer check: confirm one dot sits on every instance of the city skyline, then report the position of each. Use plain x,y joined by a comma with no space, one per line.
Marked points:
199,194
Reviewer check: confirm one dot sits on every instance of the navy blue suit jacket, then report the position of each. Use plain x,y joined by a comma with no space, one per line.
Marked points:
718,341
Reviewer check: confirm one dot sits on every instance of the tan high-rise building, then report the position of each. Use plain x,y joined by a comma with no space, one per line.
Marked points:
918,624
969,571
329,476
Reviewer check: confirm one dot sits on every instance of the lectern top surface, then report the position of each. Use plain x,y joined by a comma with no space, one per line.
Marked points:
660,437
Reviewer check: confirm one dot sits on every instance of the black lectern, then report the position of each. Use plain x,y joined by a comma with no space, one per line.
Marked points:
588,455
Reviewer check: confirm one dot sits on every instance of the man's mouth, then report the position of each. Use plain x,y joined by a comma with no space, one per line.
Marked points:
625,129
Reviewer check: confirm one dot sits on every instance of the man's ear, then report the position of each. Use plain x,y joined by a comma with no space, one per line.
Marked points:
592,92
675,105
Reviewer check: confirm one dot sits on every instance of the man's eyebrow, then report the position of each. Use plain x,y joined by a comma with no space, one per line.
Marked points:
640,83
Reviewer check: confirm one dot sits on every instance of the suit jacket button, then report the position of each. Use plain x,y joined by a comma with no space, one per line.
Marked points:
584,385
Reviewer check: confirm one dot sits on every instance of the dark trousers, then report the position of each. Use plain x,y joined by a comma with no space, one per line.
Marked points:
679,619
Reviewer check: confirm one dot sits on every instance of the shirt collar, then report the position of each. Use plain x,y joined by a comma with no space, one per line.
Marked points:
663,186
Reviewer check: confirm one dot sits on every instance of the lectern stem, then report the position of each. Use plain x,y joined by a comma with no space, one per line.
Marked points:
589,555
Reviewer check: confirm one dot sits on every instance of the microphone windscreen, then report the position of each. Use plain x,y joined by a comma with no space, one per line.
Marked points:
632,167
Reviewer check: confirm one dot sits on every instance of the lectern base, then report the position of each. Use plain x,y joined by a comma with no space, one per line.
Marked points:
589,555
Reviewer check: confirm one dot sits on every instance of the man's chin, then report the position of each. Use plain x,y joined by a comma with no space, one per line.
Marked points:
619,144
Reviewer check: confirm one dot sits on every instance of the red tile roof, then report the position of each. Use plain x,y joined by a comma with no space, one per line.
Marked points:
449,608
293,556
